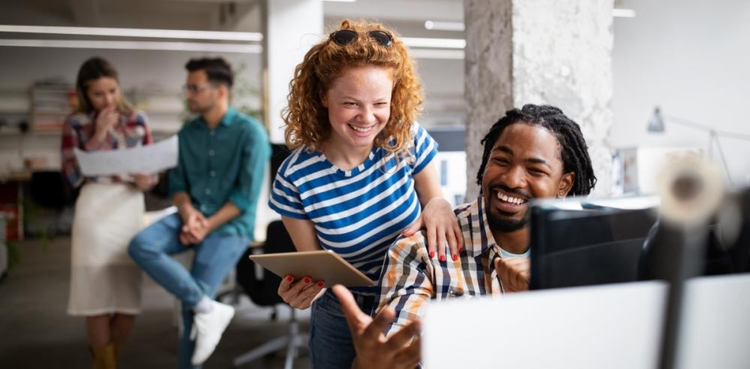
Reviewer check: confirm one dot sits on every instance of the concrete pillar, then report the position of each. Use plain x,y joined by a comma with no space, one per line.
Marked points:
292,27
556,52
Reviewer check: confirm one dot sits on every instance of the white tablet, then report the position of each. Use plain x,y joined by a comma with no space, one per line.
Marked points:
323,265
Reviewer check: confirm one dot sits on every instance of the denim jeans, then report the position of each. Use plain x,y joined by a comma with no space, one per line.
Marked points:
214,258
330,343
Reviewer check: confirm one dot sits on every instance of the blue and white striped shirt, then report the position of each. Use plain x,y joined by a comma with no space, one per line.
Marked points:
357,213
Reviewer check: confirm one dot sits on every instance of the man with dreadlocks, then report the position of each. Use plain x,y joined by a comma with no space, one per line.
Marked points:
532,152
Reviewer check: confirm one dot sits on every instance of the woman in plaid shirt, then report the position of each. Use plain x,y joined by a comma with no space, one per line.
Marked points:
105,284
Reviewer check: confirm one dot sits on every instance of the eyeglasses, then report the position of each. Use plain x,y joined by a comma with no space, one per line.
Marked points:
195,89
346,36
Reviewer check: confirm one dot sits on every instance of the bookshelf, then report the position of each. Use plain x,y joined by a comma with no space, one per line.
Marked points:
14,111
165,109
50,105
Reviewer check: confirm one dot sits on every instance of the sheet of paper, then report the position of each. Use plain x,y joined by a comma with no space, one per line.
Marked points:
143,159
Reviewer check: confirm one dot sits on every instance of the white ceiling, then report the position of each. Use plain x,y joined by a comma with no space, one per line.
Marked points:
408,16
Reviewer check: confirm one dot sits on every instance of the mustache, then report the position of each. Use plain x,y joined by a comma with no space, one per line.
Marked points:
514,191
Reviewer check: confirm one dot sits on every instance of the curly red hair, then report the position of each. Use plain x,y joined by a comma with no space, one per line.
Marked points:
307,119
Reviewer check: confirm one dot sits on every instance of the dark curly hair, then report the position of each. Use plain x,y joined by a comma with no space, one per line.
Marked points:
573,150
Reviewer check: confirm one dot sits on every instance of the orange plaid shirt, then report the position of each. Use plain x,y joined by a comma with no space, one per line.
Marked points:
411,278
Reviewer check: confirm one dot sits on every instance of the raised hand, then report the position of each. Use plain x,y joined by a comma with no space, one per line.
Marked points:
106,120
374,349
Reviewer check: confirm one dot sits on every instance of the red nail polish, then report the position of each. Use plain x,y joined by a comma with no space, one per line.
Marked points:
290,279
432,254
307,280
442,258
454,257
321,284
460,250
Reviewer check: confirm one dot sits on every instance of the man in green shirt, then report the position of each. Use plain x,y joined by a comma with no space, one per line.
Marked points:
215,186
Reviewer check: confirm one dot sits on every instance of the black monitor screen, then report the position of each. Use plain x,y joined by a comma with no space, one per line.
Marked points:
590,246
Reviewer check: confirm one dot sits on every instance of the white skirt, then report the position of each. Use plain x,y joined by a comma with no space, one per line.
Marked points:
103,278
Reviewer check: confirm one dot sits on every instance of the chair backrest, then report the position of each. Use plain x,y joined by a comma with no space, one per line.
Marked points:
263,291
49,189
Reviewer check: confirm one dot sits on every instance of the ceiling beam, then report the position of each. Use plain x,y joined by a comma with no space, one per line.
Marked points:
413,10
85,12
240,15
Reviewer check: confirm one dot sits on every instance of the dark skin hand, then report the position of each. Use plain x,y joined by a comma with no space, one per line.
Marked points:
514,273
374,349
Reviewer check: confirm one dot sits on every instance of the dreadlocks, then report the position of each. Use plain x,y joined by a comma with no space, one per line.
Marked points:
573,150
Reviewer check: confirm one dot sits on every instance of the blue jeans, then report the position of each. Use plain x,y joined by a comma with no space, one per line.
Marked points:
330,343
214,258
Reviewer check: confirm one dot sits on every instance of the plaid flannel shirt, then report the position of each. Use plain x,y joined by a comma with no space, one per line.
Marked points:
410,277
78,132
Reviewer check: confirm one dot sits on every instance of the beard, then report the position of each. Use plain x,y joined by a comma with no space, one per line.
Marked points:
500,221
196,108
503,223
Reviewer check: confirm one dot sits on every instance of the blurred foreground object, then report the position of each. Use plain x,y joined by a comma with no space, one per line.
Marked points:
687,241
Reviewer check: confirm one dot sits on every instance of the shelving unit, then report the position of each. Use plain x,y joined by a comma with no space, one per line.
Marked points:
50,105
165,109
14,110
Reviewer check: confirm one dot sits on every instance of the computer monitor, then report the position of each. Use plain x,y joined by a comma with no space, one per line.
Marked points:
579,242
739,252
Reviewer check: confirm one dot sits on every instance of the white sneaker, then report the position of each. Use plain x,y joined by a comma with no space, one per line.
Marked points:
207,330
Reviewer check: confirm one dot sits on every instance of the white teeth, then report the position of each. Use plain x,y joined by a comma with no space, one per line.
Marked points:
512,200
361,129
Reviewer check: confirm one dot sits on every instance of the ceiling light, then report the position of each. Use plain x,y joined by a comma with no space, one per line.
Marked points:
441,43
444,26
136,32
623,13
437,54
136,45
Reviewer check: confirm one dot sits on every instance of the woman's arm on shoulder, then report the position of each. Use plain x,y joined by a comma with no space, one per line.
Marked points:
427,184
437,215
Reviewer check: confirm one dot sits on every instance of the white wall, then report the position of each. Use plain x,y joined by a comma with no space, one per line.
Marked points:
692,58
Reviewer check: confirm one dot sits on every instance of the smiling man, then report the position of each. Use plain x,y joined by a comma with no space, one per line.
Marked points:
532,152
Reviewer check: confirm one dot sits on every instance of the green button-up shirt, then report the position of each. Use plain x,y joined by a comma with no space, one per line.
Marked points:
223,164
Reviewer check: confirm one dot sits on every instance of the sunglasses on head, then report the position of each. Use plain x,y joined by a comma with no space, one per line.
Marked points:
346,36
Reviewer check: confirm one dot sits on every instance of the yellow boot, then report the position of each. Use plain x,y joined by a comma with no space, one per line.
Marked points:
104,357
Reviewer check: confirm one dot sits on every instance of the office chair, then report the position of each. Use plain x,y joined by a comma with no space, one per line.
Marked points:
263,292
